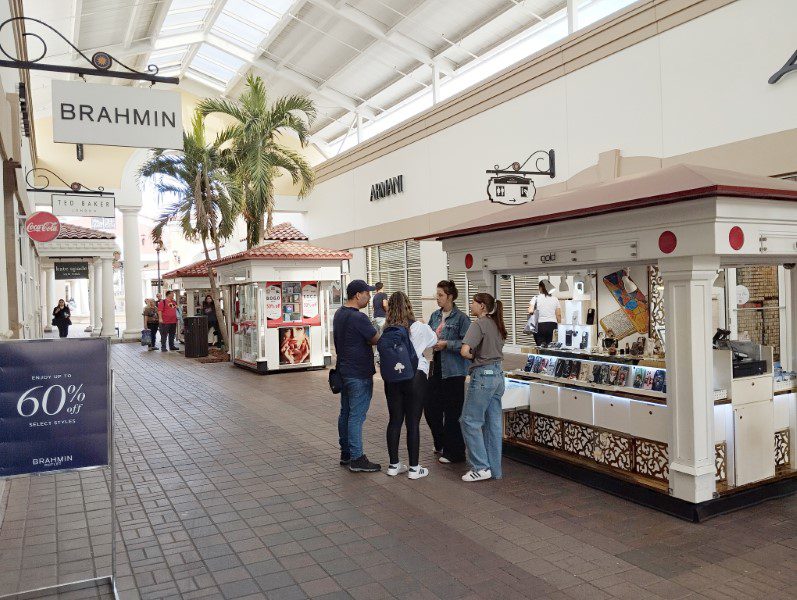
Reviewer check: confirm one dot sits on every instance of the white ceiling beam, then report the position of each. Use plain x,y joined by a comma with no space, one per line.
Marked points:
135,14
395,40
77,18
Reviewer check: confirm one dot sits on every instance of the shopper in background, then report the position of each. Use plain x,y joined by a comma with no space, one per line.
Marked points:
549,313
61,318
209,310
481,414
380,304
167,315
405,397
151,320
354,335
446,389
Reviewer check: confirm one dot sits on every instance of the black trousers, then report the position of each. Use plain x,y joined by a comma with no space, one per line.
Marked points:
443,408
168,330
405,404
216,331
63,329
544,333
153,329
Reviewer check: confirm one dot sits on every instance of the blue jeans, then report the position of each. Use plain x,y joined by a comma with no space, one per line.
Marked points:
355,398
482,419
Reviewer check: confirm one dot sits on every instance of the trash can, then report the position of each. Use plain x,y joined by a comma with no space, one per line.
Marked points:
196,336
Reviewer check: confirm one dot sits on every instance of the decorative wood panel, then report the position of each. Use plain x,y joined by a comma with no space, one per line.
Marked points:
578,439
547,431
614,449
656,304
517,425
721,461
782,448
651,459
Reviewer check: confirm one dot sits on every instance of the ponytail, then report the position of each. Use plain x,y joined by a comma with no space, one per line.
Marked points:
495,311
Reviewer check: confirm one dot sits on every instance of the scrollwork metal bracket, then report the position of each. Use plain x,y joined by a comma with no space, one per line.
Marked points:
516,168
73,188
101,62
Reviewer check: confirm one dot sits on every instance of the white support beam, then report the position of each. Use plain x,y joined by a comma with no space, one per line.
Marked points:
135,13
435,84
572,16
77,18
396,39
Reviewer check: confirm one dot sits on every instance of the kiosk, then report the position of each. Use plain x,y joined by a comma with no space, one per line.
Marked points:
190,284
676,416
279,297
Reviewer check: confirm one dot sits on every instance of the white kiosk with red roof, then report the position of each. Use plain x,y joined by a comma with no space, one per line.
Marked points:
279,297
684,420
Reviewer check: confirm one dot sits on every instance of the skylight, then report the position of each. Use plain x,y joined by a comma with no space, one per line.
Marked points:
215,63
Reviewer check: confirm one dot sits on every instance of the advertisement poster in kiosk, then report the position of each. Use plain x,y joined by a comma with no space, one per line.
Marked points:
292,303
55,405
294,345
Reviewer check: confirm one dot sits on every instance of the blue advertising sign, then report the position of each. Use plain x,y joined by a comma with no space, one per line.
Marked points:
55,405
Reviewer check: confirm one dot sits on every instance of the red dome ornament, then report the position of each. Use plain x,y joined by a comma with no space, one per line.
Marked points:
736,238
668,242
468,261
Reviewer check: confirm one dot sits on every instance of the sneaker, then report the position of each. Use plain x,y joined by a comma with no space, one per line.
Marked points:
481,475
394,470
418,472
345,459
444,460
436,451
363,465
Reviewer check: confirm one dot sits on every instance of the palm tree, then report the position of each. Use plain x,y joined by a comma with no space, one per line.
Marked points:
208,200
254,148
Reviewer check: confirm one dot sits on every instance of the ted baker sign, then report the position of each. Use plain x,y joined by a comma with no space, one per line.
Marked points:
42,227
112,115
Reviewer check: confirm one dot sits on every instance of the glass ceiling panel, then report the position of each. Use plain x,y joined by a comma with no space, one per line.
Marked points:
226,24
278,6
182,4
216,63
260,14
174,20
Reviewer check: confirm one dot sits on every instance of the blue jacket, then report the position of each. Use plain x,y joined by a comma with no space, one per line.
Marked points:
454,329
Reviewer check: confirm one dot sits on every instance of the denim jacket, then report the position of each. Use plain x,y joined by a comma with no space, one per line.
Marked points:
454,329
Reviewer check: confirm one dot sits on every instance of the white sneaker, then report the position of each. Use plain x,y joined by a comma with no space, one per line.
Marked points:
481,475
418,472
394,470
444,460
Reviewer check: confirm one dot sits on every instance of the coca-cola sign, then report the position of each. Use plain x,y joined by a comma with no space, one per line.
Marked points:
43,227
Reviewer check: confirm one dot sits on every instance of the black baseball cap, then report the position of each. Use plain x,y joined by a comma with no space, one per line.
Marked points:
357,286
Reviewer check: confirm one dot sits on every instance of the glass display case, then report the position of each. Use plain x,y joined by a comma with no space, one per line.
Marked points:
245,324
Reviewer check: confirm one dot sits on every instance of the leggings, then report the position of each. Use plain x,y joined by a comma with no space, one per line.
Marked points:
405,404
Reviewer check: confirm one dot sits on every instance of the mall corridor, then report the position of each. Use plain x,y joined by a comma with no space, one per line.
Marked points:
229,487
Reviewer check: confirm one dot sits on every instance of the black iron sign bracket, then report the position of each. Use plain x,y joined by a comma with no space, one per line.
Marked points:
791,65
101,62
73,189
513,185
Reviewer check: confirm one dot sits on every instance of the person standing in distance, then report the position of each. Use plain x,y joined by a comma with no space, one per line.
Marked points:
549,313
354,337
380,304
61,318
167,315
151,322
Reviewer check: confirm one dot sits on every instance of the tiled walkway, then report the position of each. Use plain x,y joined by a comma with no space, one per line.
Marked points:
230,488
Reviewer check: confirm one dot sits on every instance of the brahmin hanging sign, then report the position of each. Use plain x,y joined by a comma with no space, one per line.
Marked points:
109,115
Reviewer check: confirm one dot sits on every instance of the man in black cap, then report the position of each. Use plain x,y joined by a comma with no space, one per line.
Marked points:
354,335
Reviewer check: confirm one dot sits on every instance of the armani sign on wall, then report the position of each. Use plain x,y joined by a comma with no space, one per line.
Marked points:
110,115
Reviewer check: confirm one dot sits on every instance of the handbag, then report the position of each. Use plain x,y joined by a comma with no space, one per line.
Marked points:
531,323
146,337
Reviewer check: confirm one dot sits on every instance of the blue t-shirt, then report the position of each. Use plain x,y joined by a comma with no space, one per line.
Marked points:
379,308
352,332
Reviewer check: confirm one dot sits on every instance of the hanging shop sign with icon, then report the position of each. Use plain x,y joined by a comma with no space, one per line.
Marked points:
110,115
513,185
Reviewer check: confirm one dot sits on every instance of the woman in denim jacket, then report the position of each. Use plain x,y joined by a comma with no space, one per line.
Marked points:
446,390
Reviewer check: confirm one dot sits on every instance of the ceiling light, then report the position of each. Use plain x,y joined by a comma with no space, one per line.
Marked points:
563,287
719,282
588,285
628,284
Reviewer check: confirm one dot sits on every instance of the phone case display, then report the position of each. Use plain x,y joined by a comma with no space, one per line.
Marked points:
245,334
586,372
294,345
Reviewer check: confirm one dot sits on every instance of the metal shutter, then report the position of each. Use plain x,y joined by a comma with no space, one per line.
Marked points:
398,266
413,265
526,287
505,295
460,279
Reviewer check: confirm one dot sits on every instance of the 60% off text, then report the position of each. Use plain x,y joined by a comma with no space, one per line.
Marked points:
53,401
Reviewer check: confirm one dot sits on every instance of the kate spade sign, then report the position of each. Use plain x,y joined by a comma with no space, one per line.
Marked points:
111,115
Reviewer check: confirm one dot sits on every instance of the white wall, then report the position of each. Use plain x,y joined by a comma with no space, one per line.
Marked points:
697,86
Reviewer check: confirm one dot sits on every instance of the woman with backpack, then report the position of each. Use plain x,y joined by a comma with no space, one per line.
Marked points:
404,371
481,415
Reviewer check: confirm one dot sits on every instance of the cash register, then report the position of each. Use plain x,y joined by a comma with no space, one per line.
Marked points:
743,364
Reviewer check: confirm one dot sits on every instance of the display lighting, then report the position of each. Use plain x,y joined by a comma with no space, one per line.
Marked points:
563,287
719,282
589,288
628,284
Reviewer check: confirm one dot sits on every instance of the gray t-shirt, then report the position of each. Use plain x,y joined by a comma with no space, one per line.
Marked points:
485,341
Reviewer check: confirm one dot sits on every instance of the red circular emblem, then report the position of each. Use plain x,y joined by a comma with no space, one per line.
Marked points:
667,242
736,238
43,227
468,261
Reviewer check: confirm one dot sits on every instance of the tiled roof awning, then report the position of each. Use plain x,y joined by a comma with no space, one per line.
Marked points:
285,251
284,232
76,232
197,269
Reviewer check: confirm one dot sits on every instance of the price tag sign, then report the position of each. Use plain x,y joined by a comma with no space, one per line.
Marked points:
55,405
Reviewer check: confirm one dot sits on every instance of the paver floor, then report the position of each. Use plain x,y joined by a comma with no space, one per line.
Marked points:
229,487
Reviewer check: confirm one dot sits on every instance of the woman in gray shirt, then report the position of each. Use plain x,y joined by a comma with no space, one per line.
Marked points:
481,419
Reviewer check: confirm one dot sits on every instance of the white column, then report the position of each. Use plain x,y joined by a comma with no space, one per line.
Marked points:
96,315
134,301
49,296
108,317
687,308
91,282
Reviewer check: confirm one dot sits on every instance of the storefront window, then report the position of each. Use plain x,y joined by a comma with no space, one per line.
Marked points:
245,329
